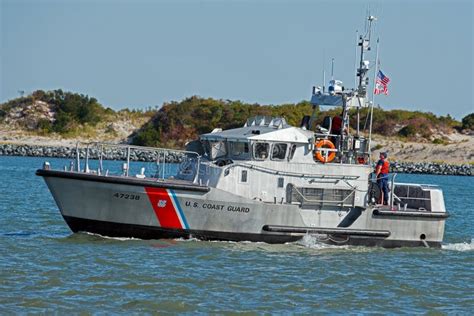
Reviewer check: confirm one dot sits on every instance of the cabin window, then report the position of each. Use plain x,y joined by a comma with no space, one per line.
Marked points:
243,176
279,151
239,150
217,149
292,152
281,182
261,151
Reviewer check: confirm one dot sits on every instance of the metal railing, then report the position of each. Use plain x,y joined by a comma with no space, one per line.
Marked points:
128,153
341,203
291,174
393,198
345,148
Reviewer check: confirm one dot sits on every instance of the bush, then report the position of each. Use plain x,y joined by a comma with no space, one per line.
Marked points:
72,109
468,122
178,122
45,126
147,136
408,131
440,141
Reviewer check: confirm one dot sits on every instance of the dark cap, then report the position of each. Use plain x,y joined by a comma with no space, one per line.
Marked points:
384,154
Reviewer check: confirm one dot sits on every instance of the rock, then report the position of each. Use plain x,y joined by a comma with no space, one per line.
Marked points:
70,152
176,157
432,168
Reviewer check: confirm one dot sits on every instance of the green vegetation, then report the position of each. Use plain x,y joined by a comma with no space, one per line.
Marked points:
468,122
176,123
410,124
440,141
408,131
71,110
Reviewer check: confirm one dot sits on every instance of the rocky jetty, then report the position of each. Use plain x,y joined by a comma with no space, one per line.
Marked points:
94,153
432,168
175,157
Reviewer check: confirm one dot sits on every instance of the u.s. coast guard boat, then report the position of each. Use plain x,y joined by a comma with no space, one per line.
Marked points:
266,181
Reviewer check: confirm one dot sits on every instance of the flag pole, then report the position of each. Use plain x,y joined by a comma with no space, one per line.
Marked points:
377,68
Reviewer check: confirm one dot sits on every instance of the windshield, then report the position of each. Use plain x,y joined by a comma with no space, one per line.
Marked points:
239,150
218,149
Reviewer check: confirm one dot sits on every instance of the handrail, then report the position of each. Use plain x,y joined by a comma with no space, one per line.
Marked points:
137,147
341,202
291,174
394,197
100,146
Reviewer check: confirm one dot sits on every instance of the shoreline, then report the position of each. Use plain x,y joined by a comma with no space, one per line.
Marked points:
25,150
69,152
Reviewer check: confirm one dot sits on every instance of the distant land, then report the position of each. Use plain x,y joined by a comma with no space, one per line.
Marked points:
63,118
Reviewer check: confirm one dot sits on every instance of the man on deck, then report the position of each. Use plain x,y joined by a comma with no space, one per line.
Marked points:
381,172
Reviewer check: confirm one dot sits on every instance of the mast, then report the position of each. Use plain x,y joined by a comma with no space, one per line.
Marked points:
373,95
355,58
362,71
355,81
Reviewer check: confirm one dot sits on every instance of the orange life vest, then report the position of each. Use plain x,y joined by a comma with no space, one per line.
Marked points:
385,169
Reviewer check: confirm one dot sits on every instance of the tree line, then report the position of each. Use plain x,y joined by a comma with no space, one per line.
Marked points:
175,123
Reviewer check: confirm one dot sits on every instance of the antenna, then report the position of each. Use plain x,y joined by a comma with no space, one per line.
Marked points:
362,71
355,59
324,73
370,18
367,13
324,80
332,69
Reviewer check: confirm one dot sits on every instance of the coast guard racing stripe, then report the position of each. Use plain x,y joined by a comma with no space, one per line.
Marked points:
167,208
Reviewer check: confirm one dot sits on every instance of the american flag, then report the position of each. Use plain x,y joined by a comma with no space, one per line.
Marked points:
381,83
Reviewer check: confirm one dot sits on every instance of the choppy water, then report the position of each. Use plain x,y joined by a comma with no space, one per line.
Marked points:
44,268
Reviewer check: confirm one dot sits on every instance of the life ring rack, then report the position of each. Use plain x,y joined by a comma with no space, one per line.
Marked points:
327,144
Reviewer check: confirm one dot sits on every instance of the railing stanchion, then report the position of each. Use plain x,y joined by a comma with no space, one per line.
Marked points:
164,165
196,177
392,187
78,159
86,167
100,159
128,161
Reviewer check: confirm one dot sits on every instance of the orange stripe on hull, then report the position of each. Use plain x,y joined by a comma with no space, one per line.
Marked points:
163,207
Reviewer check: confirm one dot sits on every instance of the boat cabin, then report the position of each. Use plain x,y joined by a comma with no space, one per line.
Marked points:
264,138
261,138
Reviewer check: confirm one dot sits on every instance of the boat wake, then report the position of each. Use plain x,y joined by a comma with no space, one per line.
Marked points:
315,241
462,246
111,238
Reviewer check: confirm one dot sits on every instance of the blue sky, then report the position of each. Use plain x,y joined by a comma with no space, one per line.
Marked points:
143,53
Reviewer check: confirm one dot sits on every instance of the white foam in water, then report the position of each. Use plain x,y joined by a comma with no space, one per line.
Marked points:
462,246
113,238
314,242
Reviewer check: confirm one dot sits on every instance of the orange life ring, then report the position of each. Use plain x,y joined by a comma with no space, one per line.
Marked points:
325,143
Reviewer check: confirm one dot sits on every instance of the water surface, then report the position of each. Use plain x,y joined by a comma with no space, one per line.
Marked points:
44,268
